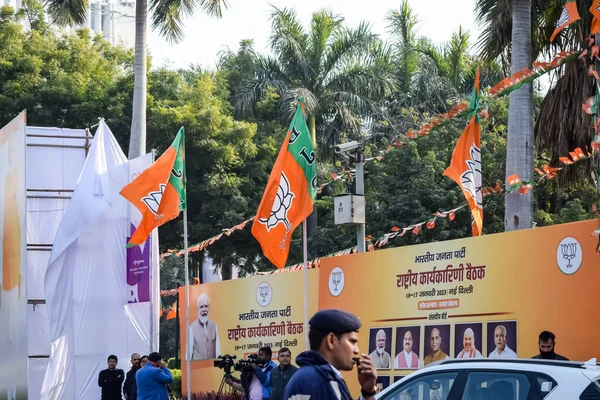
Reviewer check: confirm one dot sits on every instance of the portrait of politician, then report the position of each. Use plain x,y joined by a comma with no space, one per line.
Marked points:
467,337
502,337
407,345
204,343
437,340
380,345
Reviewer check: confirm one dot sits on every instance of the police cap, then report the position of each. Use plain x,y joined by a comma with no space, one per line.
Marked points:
335,321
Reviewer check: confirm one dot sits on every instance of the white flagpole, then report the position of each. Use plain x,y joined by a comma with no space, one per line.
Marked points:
187,304
305,251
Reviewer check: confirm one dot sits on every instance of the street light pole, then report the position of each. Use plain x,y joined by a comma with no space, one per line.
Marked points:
360,190
177,365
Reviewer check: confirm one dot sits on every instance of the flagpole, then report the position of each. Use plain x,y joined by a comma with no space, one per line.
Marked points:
305,251
187,304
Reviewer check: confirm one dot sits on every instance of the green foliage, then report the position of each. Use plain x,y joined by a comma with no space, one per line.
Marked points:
70,80
175,388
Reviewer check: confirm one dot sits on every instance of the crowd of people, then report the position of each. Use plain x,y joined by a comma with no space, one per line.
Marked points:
147,379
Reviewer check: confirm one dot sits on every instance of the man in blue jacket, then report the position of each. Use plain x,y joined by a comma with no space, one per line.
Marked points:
256,384
333,338
152,379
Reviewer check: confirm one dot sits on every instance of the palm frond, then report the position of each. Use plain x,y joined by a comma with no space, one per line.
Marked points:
324,24
289,101
562,125
402,23
268,74
456,53
346,44
168,15
68,12
289,41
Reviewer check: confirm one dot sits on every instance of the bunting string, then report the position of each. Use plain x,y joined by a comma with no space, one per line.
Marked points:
502,88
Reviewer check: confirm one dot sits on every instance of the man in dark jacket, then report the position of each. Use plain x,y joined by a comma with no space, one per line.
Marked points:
111,380
546,343
130,377
333,337
281,375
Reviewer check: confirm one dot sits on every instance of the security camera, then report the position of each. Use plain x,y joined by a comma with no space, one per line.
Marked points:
347,147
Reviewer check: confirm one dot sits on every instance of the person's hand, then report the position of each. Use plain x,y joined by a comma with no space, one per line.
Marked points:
162,364
126,396
367,374
254,366
229,381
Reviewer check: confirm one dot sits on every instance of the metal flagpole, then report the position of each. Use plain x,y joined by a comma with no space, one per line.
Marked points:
187,304
305,250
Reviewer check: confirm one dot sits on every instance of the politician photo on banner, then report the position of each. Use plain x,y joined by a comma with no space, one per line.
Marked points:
203,333
437,343
380,347
502,339
468,340
407,347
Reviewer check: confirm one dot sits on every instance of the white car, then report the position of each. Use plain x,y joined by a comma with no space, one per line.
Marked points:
485,379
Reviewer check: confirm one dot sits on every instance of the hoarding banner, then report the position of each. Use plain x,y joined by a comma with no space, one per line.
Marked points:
478,297
240,316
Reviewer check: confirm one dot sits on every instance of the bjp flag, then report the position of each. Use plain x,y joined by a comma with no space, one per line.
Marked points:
465,168
567,17
159,191
290,193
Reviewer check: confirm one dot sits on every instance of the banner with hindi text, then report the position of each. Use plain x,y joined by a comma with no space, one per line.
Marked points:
489,296
238,317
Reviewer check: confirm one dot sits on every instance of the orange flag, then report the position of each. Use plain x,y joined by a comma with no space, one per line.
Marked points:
595,10
465,168
290,193
567,17
159,191
172,311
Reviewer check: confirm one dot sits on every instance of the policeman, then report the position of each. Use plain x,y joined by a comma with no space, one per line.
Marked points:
333,338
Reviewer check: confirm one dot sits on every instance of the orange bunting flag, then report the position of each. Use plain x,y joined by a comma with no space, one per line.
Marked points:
465,167
567,17
159,191
290,192
595,10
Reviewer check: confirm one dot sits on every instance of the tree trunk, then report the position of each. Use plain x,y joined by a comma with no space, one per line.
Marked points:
137,139
312,125
519,149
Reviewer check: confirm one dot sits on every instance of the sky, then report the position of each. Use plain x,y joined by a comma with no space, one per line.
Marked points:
249,19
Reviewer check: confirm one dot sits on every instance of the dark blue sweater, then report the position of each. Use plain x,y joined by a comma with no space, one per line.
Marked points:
317,379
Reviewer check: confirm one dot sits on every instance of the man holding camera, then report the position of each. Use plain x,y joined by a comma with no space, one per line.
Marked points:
255,382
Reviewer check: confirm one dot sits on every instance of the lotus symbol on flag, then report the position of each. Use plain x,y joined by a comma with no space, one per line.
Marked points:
153,199
471,178
281,206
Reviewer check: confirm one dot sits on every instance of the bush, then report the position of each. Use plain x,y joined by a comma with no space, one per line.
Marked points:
175,388
172,365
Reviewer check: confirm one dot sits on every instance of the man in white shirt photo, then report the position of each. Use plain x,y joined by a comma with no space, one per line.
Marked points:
203,333
469,349
502,350
380,358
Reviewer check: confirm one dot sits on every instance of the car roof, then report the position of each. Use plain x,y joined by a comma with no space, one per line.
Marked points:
591,368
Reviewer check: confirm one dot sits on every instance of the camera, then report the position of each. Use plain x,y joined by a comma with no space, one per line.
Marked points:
225,363
347,147
245,365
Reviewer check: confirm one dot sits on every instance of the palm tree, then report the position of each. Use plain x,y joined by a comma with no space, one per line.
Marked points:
561,125
338,71
167,16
